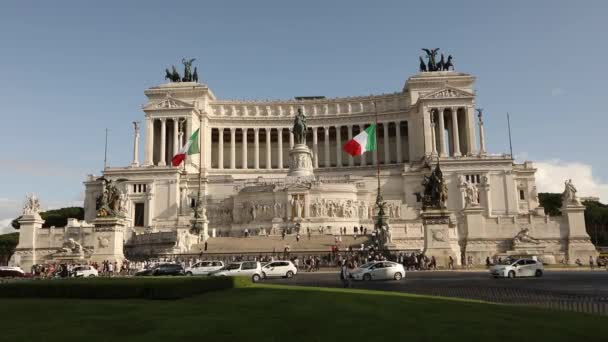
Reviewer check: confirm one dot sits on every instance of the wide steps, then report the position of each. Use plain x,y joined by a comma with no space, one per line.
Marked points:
276,243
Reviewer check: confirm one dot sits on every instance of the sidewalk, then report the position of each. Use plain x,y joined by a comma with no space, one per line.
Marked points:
559,268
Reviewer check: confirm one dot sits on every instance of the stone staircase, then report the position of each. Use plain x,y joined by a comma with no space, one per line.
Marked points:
276,243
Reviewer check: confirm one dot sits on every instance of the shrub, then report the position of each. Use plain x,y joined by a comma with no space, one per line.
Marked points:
120,288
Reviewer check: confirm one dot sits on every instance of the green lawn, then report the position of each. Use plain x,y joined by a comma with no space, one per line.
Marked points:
282,313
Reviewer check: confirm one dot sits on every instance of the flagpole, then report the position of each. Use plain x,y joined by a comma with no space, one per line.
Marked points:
376,140
510,143
198,208
200,156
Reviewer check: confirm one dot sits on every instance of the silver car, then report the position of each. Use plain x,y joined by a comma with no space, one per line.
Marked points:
377,270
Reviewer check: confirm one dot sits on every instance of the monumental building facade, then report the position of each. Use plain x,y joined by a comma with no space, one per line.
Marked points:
491,209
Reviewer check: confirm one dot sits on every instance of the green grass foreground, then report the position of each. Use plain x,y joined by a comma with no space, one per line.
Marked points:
120,288
289,313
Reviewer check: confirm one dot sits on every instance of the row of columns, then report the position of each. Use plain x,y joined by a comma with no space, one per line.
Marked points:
315,146
163,144
438,143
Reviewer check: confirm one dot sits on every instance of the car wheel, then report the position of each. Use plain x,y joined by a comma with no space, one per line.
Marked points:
91,275
398,276
189,273
289,274
367,277
511,274
255,278
538,273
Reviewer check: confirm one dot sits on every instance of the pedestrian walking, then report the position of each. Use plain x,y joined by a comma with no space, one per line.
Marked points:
451,263
591,262
298,237
344,276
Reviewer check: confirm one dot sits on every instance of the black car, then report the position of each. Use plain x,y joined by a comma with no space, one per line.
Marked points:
163,270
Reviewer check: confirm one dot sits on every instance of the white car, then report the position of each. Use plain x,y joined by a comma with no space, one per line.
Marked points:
85,271
204,267
518,268
241,268
376,270
11,272
279,269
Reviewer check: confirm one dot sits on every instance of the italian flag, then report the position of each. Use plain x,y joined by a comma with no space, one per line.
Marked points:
191,147
363,142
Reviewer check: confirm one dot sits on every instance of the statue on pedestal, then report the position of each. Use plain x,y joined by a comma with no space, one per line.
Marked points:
32,205
435,190
523,237
471,194
299,128
111,202
569,195
70,248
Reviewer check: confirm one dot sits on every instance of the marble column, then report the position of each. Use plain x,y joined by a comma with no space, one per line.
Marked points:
268,149
455,132
280,146
399,143
387,151
441,134
315,148
244,147
351,160
433,140
326,130
135,162
163,142
232,148
256,148
363,159
175,137
482,140
188,130
220,149
338,146
291,143
149,141
470,130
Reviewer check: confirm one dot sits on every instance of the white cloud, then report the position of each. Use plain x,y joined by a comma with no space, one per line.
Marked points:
5,226
9,209
551,175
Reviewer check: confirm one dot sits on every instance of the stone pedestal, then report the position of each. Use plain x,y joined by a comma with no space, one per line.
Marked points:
475,233
204,224
300,161
579,244
25,252
108,235
276,226
437,236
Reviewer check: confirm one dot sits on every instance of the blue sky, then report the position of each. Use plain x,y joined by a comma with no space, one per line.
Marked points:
71,69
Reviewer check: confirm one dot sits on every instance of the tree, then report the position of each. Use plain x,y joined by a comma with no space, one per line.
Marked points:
551,202
596,215
596,220
8,242
56,217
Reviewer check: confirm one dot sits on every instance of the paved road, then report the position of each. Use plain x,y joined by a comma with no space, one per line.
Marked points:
588,286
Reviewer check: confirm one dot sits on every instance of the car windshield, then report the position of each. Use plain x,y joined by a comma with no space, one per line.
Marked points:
368,265
233,266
